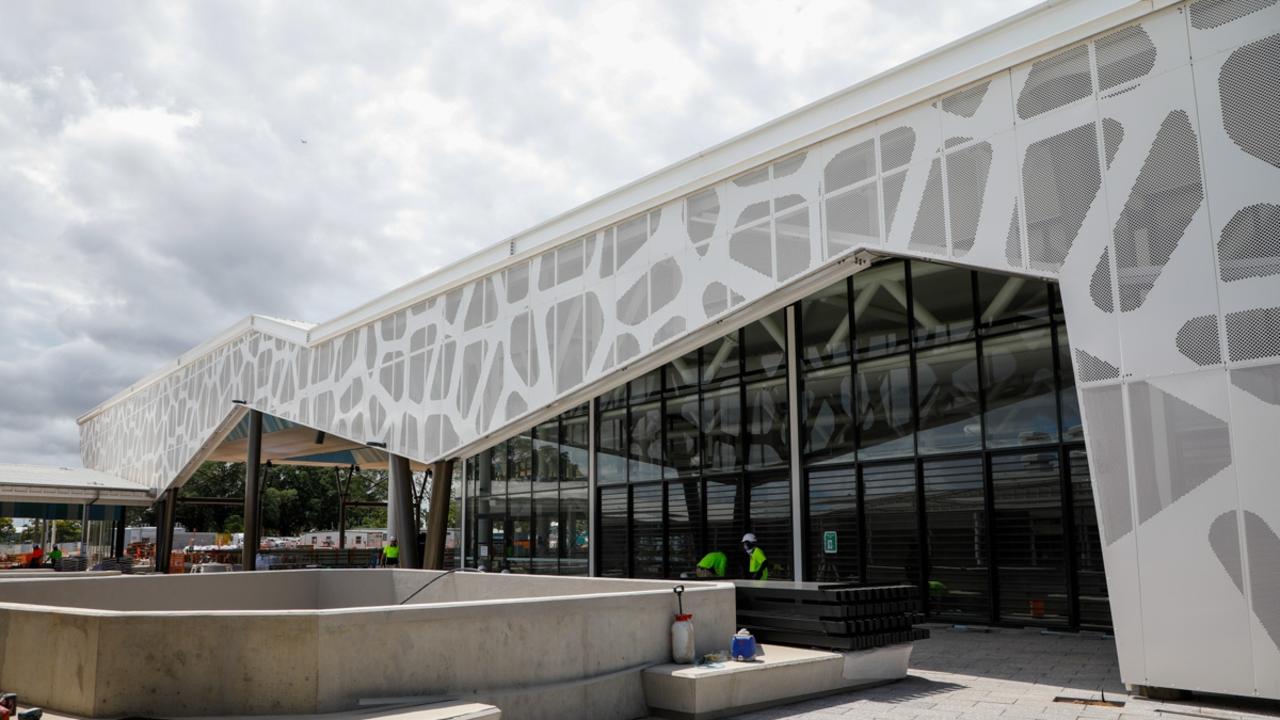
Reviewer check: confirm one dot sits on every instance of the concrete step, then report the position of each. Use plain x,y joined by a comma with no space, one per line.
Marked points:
783,675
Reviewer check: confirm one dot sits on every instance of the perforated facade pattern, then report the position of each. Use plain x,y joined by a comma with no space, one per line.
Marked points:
1139,168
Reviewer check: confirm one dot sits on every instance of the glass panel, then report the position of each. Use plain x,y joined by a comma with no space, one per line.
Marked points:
764,345
771,523
947,384
1072,429
722,427
682,435
880,309
574,432
519,522
720,358
1095,606
490,535
646,386
612,528
1007,302
684,525
959,558
828,427
520,452
825,325
833,508
682,374
884,408
614,398
1022,404
1031,563
893,540
769,440
497,456
645,442
942,300
725,520
546,452
611,450
646,529
574,528
546,532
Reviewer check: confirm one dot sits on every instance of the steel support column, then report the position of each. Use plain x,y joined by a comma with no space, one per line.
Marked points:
404,525
252,494
164,530
118,545
438,516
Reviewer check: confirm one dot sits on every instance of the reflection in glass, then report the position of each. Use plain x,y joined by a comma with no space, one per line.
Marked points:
884,407
1022,405
725,519
645,442
546,452
880,309
1006,302
611,455
646,529
684,521
828,403
682,435
721,427
519,523
574,432
768,439
574,528
1095,608
959,559
771,522
942,300
682,374
833,508
947,384
545,540
1030,544
893,541
824,322
1072,428
720,358
613,528
765,345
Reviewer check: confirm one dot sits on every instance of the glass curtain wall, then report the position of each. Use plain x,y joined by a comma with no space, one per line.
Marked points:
695,454
527,508
942,445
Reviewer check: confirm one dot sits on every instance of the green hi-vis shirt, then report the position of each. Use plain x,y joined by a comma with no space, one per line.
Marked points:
755,567
391,552
716,562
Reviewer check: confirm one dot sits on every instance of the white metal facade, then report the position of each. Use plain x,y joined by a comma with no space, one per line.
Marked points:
1134,157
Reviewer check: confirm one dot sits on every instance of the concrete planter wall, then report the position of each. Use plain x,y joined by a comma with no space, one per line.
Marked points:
295,642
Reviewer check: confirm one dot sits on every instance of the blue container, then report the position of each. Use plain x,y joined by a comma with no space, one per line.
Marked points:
743,647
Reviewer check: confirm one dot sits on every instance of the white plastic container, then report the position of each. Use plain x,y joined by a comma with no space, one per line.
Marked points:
682,648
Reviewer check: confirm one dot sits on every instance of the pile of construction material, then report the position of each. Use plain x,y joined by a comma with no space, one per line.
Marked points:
831,616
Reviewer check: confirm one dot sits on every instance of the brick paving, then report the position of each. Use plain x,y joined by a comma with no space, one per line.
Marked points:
1010,675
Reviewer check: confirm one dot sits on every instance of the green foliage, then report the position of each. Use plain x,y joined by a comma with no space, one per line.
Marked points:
8,533
295,499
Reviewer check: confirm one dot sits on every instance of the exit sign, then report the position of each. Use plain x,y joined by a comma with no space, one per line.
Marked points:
829,542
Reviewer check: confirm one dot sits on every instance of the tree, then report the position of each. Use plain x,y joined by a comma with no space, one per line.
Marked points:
8,533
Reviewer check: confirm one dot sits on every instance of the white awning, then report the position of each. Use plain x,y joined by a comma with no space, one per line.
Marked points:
72,486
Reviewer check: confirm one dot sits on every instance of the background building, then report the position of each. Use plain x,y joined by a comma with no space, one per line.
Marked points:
702,325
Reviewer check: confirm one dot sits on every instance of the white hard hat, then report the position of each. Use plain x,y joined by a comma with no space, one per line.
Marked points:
749,538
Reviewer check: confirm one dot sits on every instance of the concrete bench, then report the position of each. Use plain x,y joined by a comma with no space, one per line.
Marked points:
783,675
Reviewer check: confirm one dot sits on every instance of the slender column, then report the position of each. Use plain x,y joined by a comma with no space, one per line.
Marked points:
164,532
438,516
405,523
592,520
797,457
252,493
118,550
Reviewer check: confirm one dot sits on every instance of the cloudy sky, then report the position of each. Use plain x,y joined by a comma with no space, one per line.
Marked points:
155,185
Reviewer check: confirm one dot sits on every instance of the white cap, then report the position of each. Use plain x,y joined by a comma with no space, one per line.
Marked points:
749,537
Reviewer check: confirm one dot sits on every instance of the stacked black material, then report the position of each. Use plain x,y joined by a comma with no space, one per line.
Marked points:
830,616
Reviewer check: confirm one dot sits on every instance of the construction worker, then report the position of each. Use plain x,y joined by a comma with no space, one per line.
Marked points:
756,568
391,554
713,564
55,557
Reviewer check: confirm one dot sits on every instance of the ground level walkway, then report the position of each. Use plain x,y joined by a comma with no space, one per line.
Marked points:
1009,675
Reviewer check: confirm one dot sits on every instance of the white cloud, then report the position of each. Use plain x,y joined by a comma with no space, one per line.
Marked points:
154,186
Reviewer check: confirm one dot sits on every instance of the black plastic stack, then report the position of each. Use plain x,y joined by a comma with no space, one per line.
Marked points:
830,616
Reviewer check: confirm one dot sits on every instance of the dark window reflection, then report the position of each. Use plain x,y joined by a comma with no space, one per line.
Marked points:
612,526
1006,302
646,530
959,559
545,538
825,324
1022,403
682,435
947,385
765,345
769,438
1072,428
611,457
770,513
893,540
942,302
880,309
721,425
833,508
684,525
1030,540
828,416
885,426
645,442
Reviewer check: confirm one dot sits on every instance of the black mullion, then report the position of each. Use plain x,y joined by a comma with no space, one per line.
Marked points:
744,413
922,538
922,532
977,347
989,503
861,512
1064,476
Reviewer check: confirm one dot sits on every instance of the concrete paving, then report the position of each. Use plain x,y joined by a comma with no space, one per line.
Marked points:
1009,675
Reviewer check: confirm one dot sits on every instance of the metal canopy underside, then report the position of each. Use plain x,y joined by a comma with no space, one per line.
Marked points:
289,443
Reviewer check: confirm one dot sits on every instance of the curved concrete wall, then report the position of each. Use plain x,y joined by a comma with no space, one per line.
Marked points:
528,642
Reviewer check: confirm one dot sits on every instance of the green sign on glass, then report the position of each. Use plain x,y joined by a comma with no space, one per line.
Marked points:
829,542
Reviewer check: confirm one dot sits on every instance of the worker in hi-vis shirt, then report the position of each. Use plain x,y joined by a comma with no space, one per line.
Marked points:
756,569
